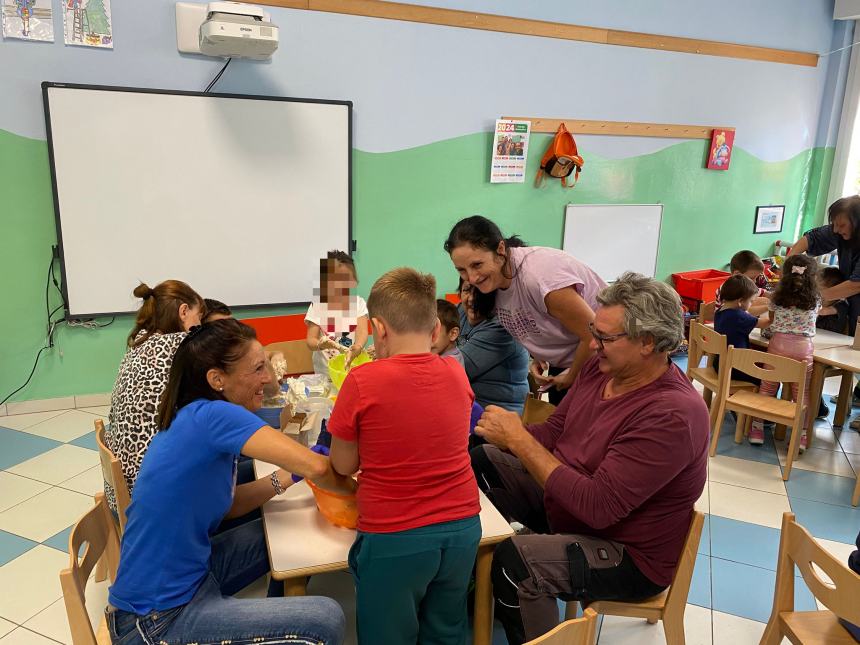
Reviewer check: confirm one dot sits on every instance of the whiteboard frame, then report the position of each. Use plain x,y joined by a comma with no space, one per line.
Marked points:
58,253
659,229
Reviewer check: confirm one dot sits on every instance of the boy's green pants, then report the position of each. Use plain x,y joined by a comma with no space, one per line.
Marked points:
411,585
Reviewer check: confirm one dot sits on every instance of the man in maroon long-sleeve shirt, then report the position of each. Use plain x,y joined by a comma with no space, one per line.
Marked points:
622,461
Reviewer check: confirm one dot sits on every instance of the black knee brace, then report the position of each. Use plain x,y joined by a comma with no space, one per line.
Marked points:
508,571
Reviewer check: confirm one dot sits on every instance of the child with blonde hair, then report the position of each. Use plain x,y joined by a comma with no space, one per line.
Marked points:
405,419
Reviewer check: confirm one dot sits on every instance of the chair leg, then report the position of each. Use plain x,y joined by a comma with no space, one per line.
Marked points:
652,621
772,634
843,404
791,453
856,497
718,426
102,564
674,628
708,395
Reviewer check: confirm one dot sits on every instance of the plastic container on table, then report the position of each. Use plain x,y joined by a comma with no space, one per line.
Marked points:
699,285
340,510
335,367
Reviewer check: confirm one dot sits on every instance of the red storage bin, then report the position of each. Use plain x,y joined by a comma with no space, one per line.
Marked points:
699,285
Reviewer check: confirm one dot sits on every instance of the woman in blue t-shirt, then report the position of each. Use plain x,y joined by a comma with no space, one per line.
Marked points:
176,575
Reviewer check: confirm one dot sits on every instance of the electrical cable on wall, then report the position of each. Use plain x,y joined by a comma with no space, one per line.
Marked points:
217,76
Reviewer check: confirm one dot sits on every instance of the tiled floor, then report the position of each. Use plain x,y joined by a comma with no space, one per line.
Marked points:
49,472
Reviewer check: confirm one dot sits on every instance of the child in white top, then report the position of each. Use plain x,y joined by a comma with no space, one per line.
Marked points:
336,319
793,311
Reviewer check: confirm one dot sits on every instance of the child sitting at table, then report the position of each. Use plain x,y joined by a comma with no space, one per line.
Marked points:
750,265
446,343
833,315
734,321
793,311
404,418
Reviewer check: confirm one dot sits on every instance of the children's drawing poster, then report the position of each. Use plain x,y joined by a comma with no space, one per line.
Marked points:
87,23
28,20
510,151
720,155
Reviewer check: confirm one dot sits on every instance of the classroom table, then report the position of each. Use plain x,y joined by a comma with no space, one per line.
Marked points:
302,542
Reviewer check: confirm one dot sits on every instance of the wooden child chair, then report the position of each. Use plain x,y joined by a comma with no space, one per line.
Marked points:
840,594
112,474
704,341
767,367
97,530
578,631
706,312
669,606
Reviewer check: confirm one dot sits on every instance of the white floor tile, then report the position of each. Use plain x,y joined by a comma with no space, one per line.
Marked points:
703,504
88,482
825,437
31,582
100,410
58,464
746,473
92,400
637,631
818,460
15,489
23,636
748,505
854,460
734,630
65,427
53,622
23,421
849,439
838,549
45,514
41,405
6,627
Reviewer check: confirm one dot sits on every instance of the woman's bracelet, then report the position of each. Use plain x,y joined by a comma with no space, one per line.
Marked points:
276,483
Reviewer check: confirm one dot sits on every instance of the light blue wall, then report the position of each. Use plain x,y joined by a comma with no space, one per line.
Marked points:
413,84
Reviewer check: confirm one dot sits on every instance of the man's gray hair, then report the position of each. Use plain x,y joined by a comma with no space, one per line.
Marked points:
651,308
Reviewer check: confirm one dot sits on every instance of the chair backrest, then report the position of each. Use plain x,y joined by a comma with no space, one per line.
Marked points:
680,588
297,353
536,411
798,548
112,474
703,340
706,312
579,631
96,530
768,367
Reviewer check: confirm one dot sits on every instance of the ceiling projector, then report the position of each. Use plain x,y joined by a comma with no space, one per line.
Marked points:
225,29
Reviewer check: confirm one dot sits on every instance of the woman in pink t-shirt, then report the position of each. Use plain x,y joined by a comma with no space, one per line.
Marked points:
544,297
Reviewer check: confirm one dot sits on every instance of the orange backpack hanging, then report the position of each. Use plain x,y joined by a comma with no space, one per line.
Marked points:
560,159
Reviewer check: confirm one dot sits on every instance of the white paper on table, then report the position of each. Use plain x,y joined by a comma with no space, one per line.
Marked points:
87,23
28,20
510,151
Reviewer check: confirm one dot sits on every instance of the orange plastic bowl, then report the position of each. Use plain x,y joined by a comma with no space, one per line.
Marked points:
340,510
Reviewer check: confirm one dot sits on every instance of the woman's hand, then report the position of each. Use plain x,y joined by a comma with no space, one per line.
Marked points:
537,369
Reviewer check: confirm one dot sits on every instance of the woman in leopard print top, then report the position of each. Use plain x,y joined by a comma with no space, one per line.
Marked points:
168,311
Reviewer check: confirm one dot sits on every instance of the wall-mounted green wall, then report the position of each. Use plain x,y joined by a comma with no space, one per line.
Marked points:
404,204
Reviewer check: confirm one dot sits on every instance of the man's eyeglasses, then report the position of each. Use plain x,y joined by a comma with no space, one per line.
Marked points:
604,338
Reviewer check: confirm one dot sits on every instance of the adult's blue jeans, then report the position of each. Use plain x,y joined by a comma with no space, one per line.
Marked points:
239,557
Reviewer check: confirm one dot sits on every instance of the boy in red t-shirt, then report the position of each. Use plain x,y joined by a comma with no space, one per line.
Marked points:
404,420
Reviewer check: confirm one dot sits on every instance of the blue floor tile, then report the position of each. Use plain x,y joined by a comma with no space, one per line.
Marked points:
11,546
705,541
727,446
60,541
16,447
746,591
837,523
745,543
86,441
820,487
700,587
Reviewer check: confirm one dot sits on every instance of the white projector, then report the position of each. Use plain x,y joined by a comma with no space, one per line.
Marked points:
225,29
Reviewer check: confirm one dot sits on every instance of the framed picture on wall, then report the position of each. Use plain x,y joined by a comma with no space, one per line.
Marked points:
768,219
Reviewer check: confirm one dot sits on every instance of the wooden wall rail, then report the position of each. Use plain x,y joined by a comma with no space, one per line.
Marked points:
622,128
545,29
